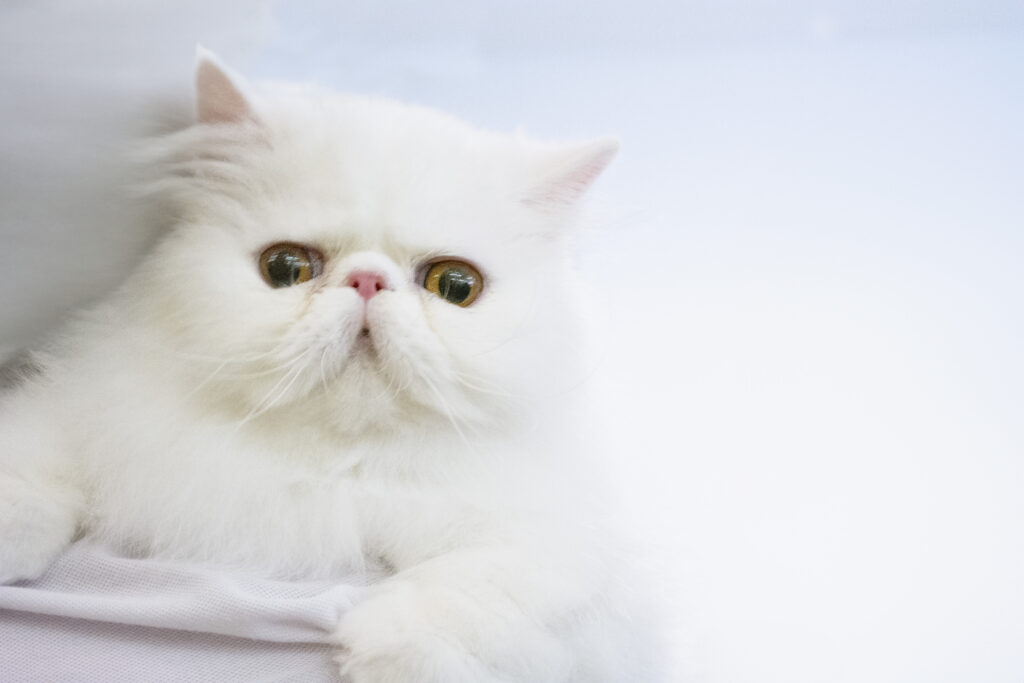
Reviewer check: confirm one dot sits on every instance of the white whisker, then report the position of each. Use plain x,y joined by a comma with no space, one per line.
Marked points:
323,374
272,399
447,408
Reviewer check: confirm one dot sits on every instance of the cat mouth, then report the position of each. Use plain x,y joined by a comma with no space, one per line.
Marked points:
363,342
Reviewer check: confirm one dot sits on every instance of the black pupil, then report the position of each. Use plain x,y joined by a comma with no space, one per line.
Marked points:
455,285
283,268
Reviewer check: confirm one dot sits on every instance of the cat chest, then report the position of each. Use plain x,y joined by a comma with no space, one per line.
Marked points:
286,520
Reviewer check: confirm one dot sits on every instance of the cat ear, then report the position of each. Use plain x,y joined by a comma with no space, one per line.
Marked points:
219,95
568,173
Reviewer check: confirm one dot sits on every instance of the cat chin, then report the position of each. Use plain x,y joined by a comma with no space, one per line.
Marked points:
376,392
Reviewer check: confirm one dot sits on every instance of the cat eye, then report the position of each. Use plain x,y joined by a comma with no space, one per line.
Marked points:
286,264
456,282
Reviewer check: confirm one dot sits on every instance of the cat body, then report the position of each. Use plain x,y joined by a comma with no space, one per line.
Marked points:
347,421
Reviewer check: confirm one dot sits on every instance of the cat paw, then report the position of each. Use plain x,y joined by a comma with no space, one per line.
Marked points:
34,527
390,638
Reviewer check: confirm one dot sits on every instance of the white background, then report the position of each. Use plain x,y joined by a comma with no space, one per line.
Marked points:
809,254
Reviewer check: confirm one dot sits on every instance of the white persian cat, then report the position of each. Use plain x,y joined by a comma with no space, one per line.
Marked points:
355,350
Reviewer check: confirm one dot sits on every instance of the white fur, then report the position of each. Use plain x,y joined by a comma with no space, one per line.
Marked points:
200,414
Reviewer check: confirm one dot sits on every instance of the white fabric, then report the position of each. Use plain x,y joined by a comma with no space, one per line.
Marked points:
98,617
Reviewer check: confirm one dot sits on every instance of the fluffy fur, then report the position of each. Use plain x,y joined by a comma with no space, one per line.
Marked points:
200,414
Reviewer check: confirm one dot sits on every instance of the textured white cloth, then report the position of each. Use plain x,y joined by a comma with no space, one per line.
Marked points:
95,616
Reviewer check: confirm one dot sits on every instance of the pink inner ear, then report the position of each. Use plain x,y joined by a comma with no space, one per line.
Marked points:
573,173
218,99
586,174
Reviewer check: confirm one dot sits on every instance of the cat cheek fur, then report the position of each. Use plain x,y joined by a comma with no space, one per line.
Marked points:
200,414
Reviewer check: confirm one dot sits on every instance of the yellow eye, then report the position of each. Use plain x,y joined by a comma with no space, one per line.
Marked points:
285,264
454,281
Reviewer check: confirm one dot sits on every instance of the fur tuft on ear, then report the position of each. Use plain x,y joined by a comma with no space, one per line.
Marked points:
568,173
219,97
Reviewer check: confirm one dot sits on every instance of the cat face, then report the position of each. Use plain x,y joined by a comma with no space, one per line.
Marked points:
374,263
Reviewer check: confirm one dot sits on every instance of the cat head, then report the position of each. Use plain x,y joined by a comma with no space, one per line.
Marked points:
372,263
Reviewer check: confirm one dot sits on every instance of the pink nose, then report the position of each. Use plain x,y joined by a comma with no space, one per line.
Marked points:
367,283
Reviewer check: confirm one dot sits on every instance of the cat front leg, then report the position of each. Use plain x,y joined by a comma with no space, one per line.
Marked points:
40,509
37,521
485,615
